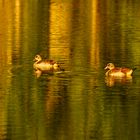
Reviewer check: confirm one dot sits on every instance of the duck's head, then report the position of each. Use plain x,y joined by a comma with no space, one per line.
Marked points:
109,66
37,58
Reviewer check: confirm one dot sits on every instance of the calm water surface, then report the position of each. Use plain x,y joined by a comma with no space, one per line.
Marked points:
79,103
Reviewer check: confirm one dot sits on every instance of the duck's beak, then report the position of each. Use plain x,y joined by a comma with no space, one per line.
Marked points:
106,68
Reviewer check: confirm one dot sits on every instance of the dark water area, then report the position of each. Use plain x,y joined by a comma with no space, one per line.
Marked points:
80,103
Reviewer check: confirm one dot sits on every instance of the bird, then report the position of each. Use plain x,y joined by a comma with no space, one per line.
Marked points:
40,66
118,71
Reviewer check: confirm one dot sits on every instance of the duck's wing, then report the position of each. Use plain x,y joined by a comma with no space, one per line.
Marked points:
51,62
125,70
117,69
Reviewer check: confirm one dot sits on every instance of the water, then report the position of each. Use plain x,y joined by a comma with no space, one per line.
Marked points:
79,103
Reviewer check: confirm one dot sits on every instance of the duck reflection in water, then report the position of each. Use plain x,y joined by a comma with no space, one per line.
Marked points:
117,75
111,80
44,66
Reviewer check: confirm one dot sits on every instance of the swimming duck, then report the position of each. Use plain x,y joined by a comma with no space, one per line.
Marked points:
44,65
117,71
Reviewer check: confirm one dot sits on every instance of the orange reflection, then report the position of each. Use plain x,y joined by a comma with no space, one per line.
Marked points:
59,38
17,25
9,17
111,80
94,52
54,94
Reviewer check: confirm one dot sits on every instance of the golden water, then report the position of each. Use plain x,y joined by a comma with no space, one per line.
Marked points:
79,103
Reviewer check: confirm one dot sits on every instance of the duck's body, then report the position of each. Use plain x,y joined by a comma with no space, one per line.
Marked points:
42,66
117,72
46,65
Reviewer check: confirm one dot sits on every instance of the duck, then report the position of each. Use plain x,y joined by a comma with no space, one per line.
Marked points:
118,71
40,66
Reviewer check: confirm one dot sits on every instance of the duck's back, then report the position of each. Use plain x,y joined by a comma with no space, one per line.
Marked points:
120,72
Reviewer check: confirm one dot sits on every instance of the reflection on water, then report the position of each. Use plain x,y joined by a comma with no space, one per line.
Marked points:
79,103
111,80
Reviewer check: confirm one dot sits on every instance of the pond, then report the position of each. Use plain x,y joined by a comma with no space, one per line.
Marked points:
79,103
